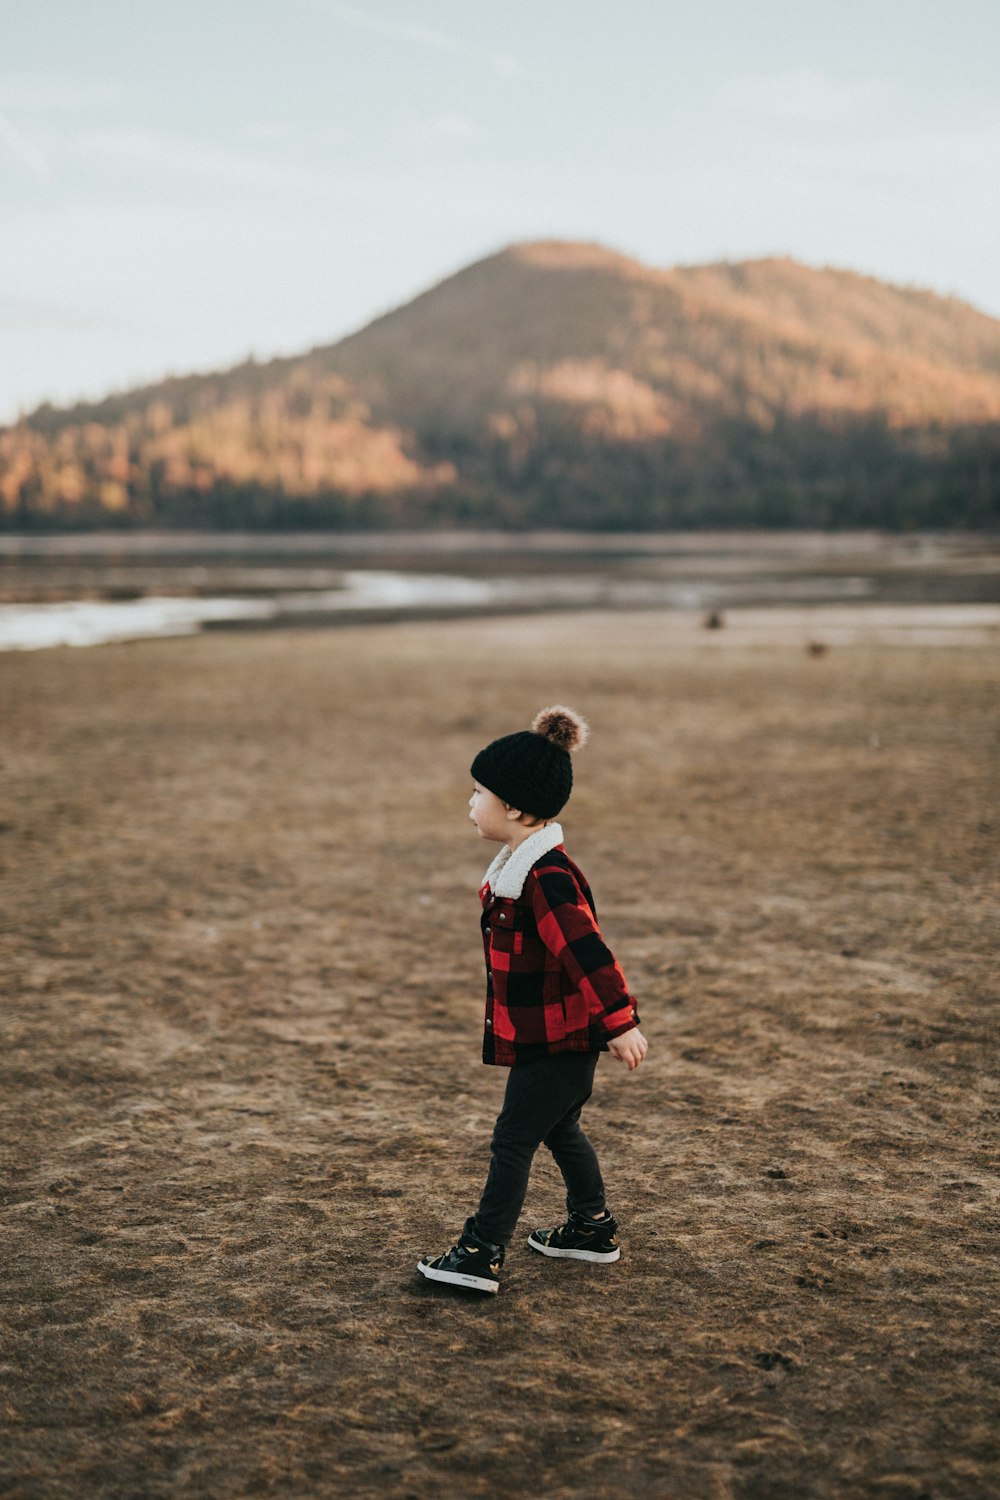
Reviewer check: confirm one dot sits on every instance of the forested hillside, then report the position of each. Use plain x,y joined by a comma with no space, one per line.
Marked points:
561,384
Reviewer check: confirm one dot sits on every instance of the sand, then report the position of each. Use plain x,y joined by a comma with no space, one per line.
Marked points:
242,1090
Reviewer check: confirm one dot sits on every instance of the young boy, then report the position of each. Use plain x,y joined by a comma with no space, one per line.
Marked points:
555,999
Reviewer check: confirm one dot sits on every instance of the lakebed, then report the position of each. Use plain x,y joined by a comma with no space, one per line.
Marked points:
242,1089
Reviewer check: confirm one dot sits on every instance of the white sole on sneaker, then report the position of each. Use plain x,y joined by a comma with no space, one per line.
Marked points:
458,1278
604,1256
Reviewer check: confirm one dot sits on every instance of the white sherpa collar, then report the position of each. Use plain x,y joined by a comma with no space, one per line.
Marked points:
508,872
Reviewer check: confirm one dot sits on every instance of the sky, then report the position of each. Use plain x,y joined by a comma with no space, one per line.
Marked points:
185,185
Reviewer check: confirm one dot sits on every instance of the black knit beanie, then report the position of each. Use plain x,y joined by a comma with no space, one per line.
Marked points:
531,770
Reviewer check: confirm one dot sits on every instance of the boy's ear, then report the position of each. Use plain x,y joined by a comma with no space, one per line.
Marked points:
513,813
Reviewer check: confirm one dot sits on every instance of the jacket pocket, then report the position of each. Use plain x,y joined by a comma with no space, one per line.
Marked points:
506,934
575,1017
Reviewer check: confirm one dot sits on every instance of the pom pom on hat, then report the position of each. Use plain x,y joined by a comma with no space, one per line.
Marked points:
563,726
531,769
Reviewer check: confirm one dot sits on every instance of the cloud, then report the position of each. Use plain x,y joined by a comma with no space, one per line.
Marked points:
412,33
21,313
805,97
19,148
194,160
285,134
946,166
442,130
62,92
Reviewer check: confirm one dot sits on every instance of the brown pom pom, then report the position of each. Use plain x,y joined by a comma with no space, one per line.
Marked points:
562,726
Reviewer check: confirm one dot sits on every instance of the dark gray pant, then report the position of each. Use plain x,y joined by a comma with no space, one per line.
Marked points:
542,1104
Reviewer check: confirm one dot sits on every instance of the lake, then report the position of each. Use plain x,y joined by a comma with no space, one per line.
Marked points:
87,589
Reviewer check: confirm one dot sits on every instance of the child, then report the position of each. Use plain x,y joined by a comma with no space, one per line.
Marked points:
555,999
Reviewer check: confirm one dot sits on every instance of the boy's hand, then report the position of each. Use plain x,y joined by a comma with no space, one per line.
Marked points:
631,1047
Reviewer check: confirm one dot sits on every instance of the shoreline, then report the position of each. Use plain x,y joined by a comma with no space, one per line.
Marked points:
136,542
73,590
85,625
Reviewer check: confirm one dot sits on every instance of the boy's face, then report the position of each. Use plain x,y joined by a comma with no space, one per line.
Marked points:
493,819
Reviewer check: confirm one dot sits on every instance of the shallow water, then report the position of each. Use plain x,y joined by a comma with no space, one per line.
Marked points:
88,589
93,622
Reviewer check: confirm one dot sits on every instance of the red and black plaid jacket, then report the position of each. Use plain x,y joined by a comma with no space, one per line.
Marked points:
552,985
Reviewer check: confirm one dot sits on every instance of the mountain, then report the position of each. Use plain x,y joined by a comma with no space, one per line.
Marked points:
561,384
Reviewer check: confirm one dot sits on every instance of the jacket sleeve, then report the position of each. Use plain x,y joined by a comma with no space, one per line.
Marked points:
568,928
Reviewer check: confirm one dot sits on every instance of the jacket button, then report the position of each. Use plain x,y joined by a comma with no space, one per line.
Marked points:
501,916
489,1023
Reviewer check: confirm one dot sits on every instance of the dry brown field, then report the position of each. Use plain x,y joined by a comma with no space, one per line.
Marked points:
241,1087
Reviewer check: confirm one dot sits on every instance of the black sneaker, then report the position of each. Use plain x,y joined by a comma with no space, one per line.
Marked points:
579,1239
471,1263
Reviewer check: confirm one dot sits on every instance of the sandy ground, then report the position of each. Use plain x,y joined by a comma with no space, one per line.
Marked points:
242,1091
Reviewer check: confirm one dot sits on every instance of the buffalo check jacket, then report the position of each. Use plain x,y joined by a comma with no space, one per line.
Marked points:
552,985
